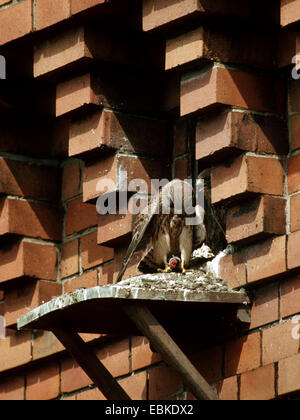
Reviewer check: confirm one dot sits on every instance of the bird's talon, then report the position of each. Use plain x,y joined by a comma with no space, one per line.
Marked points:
164,270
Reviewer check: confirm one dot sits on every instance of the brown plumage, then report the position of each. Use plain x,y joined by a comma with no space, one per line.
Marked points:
164,233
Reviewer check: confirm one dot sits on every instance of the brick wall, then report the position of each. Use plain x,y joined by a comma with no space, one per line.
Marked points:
162,89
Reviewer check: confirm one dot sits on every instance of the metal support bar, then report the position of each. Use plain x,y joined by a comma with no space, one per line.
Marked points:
172,354
92,366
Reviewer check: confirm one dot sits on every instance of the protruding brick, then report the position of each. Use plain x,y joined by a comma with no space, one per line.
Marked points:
80,216
256,219
100,131
49,12
69,259
156,14
114,229
16,21
242,354
233,132
294,213
278,343
75,94
244,175
290,297
20,301
294,174
19,217
80,5
289,12
28,180
266,259
92,254
289,375
45,344
258,384
293,251
202,44
28,259
118,172
222,87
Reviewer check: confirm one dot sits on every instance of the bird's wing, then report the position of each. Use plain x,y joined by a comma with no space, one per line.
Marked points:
144,221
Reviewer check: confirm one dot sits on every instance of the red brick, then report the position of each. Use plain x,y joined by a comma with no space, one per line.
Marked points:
135,386
156,14
114,229
294,174
289,12
36,220
266,259
28,180
265,306
255,219
102,130
289,375
228,389
90,395
244,175
87,280
258,384
60,50
242,354
141,354
110,169
278,343
92,254
43,383
25,259
181,134
290,297
202,44
71,181
80,216
295,131
75,94
12,389
69,259
294,213
15,21
115,357
20,301
233,269
163,382
73,376
45,344
15,350
220,86
293,251
232,132
107,273
49,12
